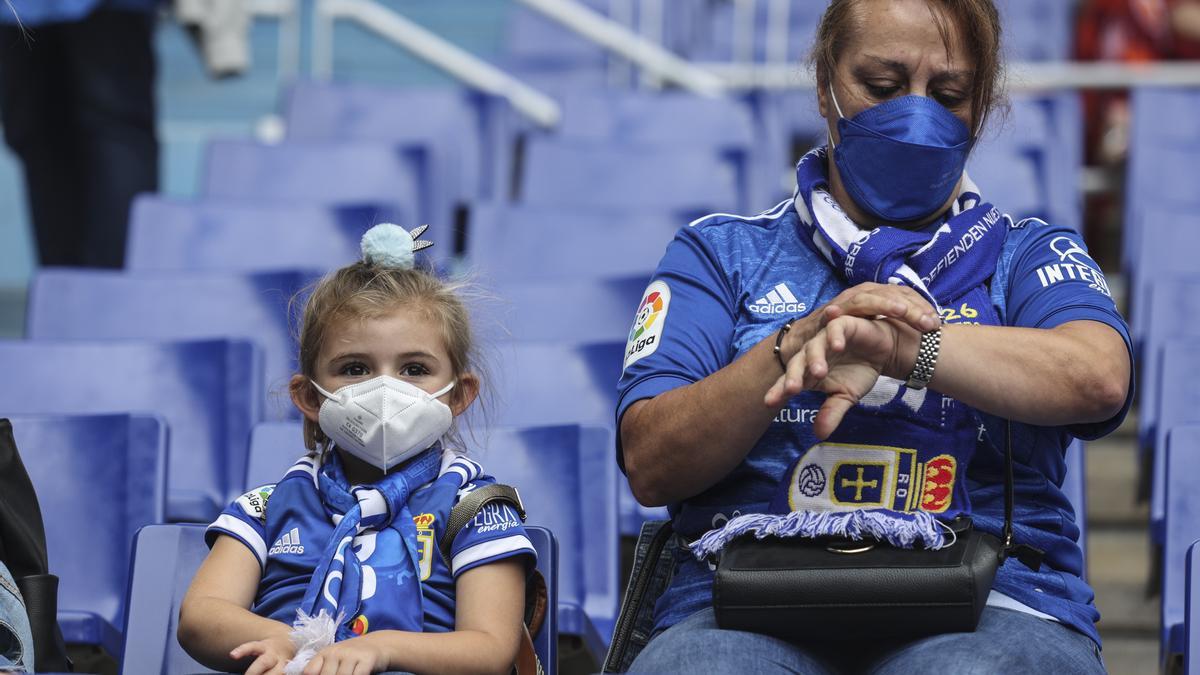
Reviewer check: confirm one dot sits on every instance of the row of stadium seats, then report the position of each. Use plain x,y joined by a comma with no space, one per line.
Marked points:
563,227
1158,259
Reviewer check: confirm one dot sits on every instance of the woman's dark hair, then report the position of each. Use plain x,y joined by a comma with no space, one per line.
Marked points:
976,22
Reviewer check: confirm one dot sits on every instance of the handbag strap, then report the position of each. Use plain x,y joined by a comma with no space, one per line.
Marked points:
1030,556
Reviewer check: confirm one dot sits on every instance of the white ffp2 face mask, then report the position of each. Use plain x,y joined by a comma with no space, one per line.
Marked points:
384,421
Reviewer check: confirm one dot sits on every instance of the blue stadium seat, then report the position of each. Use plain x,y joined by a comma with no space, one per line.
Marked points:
568,482
98,478
573,310
274,447
209,392
168,234
166,558
1035,30
454,124
547,383
553,242
1182,460
1164,309
1160,209
598,174
722,19
1175,234
1191,647
1075,488
657,117
79,304
330,174
1178,404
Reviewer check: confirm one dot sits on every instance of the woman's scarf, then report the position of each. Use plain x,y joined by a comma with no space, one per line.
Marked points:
894,465
359,513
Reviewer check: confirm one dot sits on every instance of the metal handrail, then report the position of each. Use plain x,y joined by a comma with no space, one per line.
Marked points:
287,12
1022,77
646,54
429,47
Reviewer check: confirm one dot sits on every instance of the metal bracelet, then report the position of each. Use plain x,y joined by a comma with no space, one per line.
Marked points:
927,355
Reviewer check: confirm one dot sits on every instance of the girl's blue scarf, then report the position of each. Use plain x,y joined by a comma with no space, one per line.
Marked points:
342,584
896,464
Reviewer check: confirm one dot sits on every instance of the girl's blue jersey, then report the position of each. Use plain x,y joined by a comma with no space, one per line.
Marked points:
728,282
287,529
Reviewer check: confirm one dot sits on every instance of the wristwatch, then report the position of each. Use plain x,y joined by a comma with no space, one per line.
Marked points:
927,354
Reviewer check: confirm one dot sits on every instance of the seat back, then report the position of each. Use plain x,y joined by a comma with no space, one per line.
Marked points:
1182,458
170,234
539,383
1179,403
657,117
596,174
1191,647
1165,310
98,478
545,642
274,447
77,304
570,310
451,122
568,481
522,242
165,559
327,174
209,393
1075,488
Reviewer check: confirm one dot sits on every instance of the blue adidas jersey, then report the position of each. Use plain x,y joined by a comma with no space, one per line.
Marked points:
286,528
728,282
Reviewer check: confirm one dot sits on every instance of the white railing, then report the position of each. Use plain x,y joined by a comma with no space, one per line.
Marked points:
1022,77
654,60
429,47
288,14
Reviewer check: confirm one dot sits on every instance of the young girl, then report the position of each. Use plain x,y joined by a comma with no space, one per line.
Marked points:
346,544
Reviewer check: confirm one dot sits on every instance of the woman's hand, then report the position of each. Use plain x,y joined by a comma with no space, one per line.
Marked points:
868,301
271,655
356,656
844,360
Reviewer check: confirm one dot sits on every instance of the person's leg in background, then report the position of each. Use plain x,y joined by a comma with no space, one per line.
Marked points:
111,58
1006,641
36,110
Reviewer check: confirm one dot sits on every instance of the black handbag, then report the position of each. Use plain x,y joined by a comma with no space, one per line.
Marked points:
835,589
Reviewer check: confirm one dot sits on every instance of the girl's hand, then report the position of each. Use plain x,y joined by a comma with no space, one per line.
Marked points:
356,656
272,655
844,360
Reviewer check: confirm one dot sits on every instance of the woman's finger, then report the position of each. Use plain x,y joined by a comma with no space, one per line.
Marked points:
362,669
262,664
775,397
829,417
245,649
815,367
897,302
348,666
837,336
794,377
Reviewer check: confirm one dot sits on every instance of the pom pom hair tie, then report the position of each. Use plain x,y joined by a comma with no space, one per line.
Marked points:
391,246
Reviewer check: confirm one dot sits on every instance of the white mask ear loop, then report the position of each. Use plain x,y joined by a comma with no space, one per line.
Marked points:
953,535
444,390
837,107
323,392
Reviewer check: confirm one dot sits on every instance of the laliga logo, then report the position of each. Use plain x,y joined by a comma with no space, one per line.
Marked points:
1072,249
939,484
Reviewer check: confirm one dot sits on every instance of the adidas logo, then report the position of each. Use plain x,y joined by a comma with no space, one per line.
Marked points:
779,301
288,543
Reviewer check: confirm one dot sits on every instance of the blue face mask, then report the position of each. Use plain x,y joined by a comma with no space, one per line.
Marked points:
901,159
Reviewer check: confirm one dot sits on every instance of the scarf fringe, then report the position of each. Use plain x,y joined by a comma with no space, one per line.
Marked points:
310,634
901,531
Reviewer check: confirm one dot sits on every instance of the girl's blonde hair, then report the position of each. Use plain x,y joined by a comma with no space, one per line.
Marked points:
366,291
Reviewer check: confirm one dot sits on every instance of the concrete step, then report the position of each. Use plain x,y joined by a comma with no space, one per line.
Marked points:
1112,475
1130,656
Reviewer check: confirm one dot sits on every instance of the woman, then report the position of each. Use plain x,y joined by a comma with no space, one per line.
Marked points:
884,224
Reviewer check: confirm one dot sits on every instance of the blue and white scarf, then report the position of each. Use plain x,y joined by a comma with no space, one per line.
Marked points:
337,583
895,465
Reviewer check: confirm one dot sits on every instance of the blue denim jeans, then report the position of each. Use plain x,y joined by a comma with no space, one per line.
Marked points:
16,642
1006,641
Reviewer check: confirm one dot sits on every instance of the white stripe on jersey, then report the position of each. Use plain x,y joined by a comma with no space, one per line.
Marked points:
240,530
490,549
773,212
